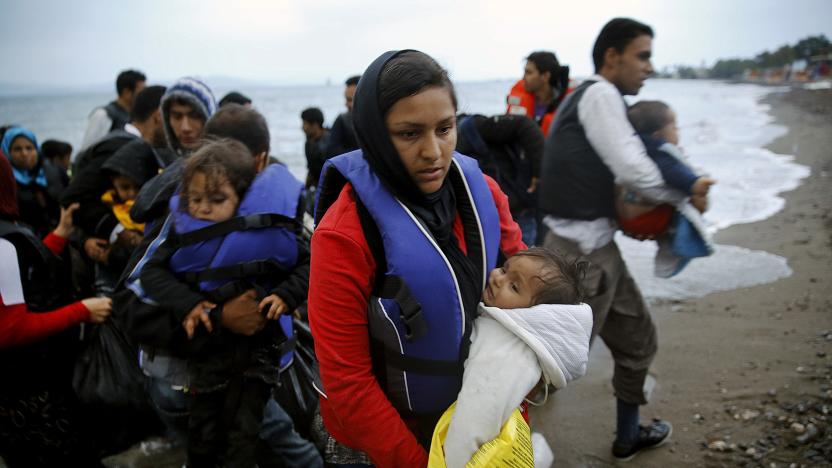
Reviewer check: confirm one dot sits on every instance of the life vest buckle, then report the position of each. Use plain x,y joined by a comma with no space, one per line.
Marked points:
257,221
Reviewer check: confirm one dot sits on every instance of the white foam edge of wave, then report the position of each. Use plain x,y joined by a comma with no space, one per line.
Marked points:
730,267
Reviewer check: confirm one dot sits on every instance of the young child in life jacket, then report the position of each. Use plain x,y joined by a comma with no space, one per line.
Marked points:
233,230
532,328
655,122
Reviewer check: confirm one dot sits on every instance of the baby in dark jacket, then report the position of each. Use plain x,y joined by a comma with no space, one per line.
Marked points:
655,123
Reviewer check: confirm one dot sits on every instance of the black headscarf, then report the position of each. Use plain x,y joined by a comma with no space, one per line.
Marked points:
436,210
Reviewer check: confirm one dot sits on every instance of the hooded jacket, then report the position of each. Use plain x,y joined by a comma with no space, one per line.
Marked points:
194,92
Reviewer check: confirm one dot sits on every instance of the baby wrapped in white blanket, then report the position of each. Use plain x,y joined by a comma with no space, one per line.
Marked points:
515,344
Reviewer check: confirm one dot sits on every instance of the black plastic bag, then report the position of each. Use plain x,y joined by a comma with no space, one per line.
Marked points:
296,393
107,371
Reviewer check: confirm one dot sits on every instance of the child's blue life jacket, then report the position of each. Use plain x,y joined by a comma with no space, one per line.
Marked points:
255,249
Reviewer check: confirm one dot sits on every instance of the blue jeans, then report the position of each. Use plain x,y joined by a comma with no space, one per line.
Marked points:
528,225
278,433
172,408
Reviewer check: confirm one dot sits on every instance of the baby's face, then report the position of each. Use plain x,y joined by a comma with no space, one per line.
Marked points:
126,188
514,285
218,205
670,132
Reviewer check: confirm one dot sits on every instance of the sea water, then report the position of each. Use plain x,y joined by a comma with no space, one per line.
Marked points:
723,128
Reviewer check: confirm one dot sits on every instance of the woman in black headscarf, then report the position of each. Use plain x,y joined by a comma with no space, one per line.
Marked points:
407,232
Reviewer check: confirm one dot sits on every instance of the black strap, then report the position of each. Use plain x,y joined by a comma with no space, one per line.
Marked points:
9,230
422,366
240,270
239,223
391,287
228,291
286,345
410,311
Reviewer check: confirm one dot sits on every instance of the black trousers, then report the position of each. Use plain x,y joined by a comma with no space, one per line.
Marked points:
224,424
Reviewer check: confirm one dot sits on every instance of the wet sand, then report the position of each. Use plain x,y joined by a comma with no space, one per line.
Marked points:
745,376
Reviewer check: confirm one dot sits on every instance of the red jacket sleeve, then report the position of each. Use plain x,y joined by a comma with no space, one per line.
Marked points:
19,326
55,243
356,411
511,237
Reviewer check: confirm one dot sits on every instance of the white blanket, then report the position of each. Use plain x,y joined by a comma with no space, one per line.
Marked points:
509,351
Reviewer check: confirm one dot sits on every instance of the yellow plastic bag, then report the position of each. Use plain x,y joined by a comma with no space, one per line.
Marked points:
511,449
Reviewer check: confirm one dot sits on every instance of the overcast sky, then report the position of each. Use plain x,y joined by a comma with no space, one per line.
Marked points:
80,43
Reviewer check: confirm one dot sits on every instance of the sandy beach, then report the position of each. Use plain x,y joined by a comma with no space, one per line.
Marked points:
745,376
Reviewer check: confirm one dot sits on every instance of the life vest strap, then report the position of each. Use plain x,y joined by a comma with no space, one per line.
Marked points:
286,345
231,290
410,311
398,360
240,270
239,223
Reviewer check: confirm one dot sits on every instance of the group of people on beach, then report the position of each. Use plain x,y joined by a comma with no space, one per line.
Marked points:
454,259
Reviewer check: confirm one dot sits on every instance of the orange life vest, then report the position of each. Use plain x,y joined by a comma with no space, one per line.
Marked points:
521,102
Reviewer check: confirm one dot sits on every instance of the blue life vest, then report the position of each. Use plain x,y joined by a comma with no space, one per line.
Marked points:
415,313
246,251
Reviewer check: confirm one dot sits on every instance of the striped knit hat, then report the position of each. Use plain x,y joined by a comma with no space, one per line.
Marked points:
194,92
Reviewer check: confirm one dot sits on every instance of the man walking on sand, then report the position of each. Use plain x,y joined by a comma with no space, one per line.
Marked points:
591,148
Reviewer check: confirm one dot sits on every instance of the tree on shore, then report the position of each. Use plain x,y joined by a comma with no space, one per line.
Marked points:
804,49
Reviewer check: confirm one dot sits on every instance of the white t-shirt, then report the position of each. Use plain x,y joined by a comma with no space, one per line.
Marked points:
11,288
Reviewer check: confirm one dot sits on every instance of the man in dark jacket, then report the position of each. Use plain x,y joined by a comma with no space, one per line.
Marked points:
342,135
508,148
316,140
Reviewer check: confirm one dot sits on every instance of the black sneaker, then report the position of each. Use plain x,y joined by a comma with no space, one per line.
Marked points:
649,437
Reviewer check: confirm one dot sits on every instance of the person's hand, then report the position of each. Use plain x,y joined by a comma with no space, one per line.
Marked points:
275,305
129,238
700,202
65,226
198,314
702,186
242,315
533,185
97,249
99,307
